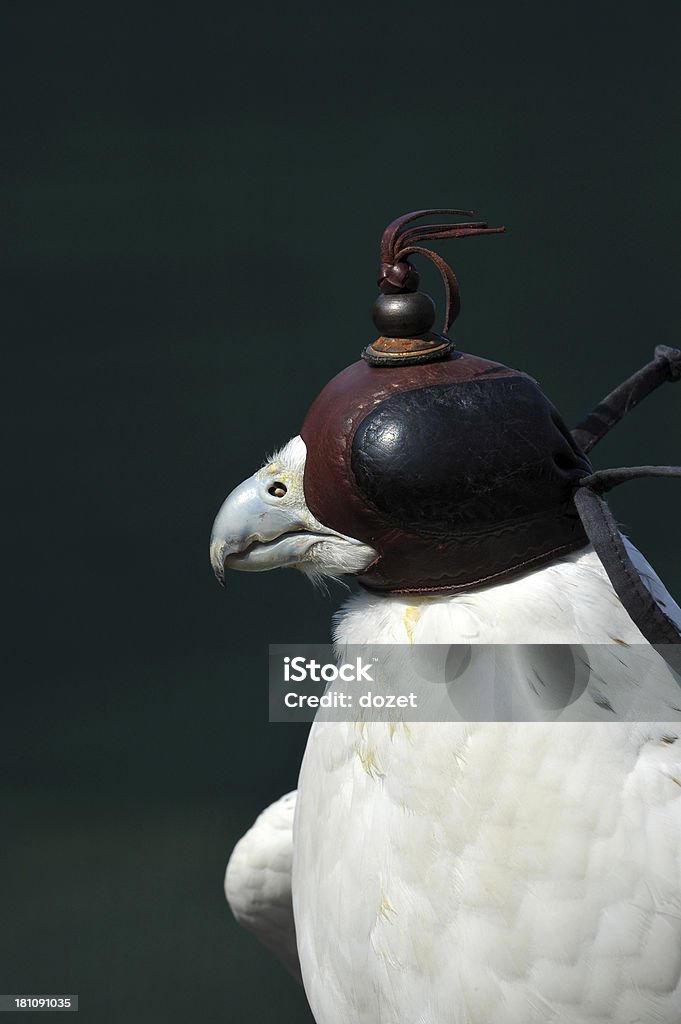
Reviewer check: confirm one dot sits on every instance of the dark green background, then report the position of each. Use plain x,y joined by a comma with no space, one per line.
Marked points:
194,195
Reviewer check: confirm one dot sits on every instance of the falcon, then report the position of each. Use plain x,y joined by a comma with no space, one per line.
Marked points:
469,872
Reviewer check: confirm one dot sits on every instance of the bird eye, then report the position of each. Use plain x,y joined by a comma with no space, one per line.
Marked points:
277,490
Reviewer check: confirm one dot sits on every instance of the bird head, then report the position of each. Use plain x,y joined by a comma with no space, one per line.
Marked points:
265,523
421,469
417,469
442,479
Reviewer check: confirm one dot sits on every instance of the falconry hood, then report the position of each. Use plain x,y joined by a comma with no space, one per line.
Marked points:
458,470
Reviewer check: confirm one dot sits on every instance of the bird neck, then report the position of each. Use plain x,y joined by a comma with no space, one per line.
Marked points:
569,601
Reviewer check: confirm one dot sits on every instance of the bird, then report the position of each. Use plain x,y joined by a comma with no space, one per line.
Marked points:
482,873
520,866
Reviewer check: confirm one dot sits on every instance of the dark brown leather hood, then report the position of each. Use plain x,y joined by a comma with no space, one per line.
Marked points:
459,472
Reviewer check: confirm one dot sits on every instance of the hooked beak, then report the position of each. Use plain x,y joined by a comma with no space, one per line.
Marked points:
254,533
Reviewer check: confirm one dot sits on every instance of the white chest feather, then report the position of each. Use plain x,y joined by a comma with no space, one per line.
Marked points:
491,873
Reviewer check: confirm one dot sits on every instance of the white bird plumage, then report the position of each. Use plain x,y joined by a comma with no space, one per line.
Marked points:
258,881
487,873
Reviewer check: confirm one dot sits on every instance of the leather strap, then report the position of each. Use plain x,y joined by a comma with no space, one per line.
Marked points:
665,366
399,242
601,529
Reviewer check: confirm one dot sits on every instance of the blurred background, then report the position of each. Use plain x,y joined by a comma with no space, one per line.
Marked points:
194,196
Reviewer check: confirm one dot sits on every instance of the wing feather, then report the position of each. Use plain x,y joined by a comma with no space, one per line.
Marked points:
258,881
